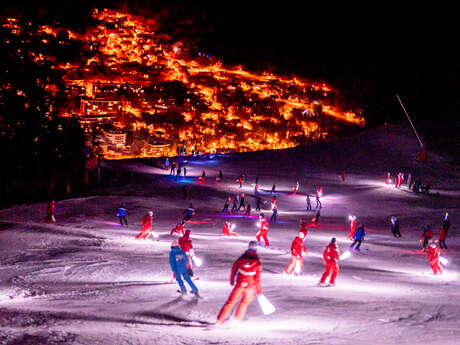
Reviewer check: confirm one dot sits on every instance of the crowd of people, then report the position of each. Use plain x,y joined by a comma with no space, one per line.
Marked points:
247,269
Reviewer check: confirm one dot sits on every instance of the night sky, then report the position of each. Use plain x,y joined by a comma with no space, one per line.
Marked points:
369,54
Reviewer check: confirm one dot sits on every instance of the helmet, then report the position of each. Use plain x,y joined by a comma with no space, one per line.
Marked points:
150,213
252,245
333,240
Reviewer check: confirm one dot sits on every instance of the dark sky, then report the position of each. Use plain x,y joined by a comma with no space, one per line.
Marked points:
370,54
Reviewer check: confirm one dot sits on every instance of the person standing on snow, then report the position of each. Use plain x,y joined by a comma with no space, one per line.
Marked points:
303,228
189,212
247,271
259,201
248,210
353,221
263,230
220,177
178,262
173,168
318,201
395,227
178,173
121,214
242,205
274,209
342,175
331,256
295,188
241,180
358,238
308,203
202,177
315,219
50,217
227,229
146,230
427,235
185,171
433,255
235,205
445,226
387,181
274,189
297,249
227,203
178,229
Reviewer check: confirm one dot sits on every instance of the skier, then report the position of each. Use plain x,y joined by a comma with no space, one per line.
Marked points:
235,205
331,256
297,249
227,229
220,177
178,229
185,243
201,178
445,226
178,262
248,210
227,203
433,256
409,181
185,171
256,185
442,238
178,173
427,235
274,209
315,219
241,180
295,188
342,175
146,230
308,203
50,217
353,221
166,163
189,212
241,202
319,192
121,214
173,168
318,201
273,189
395,227
303,228
387,181
358,238
263,231
247,270
259,201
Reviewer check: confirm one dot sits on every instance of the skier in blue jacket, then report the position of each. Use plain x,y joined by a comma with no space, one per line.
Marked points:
121,214
359,237
178,261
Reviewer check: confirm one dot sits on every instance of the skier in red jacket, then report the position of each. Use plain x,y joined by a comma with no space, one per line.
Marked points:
352,219
387,181
178,229
297,249
433,256
304,228
146,230
227,229
426,236
263,231
331,256
247,270
50,218
185,243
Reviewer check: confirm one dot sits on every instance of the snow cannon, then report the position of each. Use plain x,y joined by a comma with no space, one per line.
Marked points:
265,305
198,262
345,255
444,261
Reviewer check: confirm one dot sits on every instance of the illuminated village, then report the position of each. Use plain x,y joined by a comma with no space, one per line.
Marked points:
140,93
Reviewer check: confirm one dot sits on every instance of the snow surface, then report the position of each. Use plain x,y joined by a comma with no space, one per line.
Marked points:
86,280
